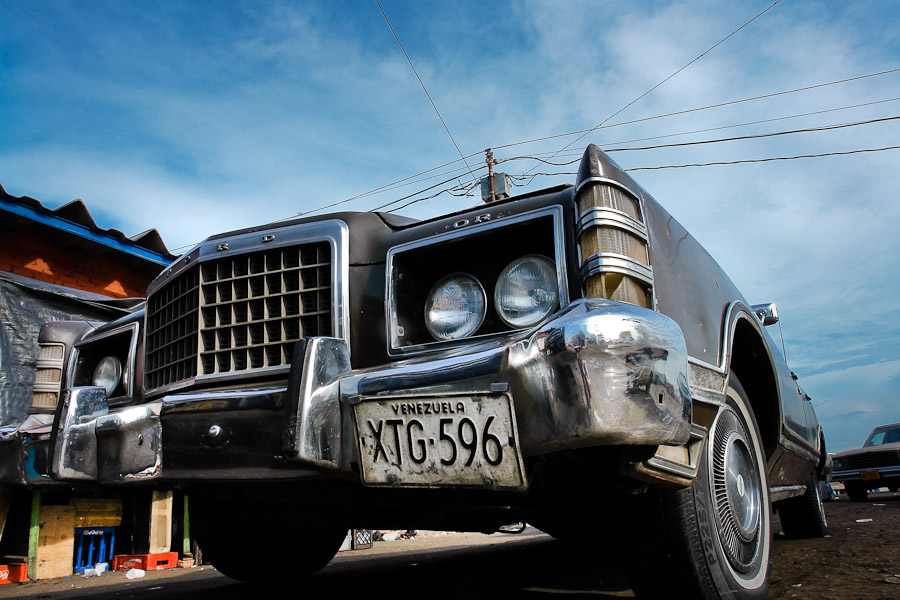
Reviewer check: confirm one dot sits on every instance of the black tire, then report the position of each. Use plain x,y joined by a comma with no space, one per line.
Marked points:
711,540
857,493
234,545
299,552
804,516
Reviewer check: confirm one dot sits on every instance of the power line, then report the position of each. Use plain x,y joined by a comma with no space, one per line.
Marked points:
701,55
697,109
756,136
708,129
394,184
409,60
761,160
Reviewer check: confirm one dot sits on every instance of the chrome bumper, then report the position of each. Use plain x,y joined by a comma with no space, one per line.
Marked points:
597,373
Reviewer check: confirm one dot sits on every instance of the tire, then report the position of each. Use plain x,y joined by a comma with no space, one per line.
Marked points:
857,493
711,540
804,516
230,547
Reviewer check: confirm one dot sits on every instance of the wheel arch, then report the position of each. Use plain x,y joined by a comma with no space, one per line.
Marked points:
751,361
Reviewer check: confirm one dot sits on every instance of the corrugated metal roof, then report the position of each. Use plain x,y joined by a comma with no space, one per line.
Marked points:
74,218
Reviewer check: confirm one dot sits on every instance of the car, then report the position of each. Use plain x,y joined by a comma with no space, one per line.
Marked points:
875,465
571,358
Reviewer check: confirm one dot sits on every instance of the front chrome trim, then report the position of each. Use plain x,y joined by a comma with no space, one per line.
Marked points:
127,368
75,441
393,343
602,216
613,182
608,262
312,433
599,372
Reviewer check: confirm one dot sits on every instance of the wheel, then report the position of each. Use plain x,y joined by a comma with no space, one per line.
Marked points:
804,516
711,540
232,545
299,552
857,493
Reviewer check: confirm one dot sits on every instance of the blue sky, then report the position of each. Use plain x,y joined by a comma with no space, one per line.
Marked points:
196,118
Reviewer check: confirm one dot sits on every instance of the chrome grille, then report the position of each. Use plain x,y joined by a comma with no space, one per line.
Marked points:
238,313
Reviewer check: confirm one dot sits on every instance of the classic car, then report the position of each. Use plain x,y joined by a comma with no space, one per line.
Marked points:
571,358
875,465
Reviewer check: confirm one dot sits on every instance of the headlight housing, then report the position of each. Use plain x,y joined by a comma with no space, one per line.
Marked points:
526,291
108,374
455,307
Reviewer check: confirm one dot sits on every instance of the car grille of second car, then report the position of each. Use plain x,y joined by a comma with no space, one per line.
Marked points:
869,460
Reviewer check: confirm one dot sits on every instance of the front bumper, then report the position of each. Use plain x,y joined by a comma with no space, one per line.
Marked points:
598,373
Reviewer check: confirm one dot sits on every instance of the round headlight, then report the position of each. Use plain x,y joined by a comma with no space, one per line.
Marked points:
455,307
107,374
526,291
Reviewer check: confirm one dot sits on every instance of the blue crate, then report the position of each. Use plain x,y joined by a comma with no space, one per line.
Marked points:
93,545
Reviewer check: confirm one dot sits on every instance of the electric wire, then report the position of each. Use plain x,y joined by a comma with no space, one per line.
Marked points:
701,55
756,136
767,159
760,122
699,108
392,185
409,60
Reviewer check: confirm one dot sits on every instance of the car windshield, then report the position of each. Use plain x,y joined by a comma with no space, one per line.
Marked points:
888,435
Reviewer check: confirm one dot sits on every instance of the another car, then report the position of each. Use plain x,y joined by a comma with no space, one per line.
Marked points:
571,358
875,465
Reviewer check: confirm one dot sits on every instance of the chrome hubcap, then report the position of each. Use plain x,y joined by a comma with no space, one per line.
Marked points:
736,491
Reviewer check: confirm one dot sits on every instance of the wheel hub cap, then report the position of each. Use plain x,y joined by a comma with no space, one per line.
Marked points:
736,491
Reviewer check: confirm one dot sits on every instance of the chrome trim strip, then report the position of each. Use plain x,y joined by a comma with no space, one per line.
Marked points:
612,182
608,262
797,449
783,492
390,306
601,216
708,384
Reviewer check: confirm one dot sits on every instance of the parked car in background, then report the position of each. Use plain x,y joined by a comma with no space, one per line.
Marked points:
571,358
875,465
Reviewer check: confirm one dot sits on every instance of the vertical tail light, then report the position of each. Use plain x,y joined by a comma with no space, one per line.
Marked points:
614,247
48,377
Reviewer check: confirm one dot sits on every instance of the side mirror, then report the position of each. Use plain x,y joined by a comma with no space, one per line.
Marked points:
766,313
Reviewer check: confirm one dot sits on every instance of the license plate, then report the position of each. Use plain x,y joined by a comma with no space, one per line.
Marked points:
456,441
869,475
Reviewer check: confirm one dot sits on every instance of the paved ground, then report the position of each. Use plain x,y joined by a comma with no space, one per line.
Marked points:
860,559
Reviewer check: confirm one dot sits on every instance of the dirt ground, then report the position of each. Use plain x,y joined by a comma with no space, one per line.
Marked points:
860,558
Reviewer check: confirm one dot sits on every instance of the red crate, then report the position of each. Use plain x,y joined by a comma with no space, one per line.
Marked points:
4,574
18,572
147,562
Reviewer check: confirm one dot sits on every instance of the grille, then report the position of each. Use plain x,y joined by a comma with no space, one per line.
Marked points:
238,313
869,460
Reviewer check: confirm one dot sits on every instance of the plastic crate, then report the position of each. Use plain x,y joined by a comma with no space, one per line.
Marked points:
18,572
147,562
93,545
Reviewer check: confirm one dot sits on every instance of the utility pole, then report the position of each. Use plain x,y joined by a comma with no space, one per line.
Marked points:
489,159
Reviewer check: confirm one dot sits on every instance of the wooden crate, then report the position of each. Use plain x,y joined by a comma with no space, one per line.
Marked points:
56,542
97,512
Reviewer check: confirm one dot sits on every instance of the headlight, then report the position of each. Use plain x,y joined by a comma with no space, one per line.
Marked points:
107,374
526,291
455,307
